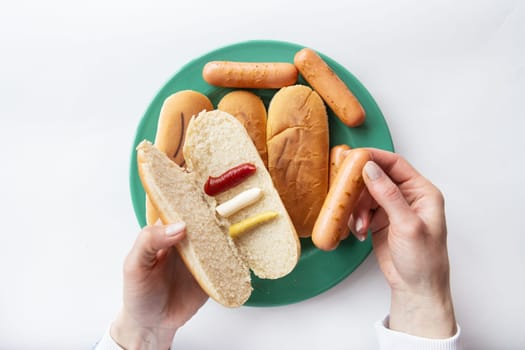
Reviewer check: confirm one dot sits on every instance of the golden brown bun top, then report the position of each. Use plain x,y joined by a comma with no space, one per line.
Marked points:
298,153
174,117
249,109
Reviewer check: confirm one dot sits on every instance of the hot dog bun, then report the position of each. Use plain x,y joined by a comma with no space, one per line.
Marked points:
249,109
209,254
215,142
174,117
298,152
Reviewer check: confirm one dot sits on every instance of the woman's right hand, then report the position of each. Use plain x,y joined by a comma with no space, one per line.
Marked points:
405,214
160,294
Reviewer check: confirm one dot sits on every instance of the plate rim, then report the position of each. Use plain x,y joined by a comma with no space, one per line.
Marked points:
257,42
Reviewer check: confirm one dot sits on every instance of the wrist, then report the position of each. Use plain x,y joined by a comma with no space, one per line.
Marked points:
430,315
131,335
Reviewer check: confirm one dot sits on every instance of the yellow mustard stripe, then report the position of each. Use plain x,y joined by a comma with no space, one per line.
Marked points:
249,223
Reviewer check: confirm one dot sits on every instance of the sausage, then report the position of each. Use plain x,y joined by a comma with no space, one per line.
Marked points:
257,75
342,152
331,88
337,155
174,117
229,179
332,221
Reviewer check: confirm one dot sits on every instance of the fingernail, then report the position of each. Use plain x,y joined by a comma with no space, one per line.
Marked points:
174,229
358,226
372,170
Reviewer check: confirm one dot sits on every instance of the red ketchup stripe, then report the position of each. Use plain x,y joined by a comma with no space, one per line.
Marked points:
229,179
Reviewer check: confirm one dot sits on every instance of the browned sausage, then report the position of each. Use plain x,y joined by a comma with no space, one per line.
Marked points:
331,88
332,221
337,155
257,75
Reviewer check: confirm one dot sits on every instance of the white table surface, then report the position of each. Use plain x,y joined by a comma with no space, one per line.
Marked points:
76,77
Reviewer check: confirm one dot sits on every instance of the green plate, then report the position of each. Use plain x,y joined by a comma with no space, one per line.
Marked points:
317,271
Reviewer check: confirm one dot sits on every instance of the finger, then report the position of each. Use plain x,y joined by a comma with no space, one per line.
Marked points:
355,227
386,193
378,221
161,254
361,215
155,239
397,168
413,185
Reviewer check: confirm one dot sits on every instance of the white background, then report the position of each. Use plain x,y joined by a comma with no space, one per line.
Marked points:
75,78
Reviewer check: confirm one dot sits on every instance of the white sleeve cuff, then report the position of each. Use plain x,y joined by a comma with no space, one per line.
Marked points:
392,340
107,343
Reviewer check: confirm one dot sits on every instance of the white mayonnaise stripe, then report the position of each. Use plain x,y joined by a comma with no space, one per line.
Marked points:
240,201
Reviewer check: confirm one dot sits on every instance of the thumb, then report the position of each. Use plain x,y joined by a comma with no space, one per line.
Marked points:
154,238
386,193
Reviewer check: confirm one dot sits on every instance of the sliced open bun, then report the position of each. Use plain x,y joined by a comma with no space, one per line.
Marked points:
216,142
209,254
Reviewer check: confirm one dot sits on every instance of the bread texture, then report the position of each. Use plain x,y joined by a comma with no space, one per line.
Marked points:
174,117
208,252
298,153
249,109
216,142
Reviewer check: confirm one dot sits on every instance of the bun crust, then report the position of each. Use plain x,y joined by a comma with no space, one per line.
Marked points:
174,117
298,153
216,142
208,253
249,109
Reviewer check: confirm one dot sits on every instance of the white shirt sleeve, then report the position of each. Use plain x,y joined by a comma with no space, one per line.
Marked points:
392,340
107,343
388,340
